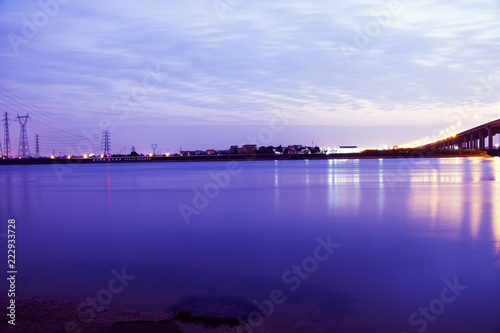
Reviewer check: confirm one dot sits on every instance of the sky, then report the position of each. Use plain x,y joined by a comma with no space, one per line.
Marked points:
202,74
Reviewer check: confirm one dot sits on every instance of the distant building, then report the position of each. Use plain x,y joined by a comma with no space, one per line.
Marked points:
211,152
249,148
290,150
191,153
246,149
347,150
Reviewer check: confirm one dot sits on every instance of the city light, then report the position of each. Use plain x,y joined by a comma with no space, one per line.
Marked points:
52,157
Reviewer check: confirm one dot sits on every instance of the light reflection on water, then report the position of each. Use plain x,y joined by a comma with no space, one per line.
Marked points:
404,226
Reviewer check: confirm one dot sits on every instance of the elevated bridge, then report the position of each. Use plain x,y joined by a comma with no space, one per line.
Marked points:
479,137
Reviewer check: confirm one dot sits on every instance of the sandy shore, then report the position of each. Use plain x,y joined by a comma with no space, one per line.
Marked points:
51,315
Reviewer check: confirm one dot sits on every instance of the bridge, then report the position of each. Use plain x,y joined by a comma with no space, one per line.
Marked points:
479,137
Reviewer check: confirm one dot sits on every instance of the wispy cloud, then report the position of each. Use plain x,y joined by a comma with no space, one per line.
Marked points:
261,57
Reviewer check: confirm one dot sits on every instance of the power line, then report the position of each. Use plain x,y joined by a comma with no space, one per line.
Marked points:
57,132
21,106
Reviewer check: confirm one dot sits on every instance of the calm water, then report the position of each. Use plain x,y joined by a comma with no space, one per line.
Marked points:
402,227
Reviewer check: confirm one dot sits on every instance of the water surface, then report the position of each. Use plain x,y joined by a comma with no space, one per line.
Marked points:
403,226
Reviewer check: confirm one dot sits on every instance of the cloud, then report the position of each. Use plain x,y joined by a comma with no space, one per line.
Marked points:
263,56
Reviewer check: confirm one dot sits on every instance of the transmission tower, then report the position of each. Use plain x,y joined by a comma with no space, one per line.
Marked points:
154,145
1,150
106,145
6,138
24,147
37,146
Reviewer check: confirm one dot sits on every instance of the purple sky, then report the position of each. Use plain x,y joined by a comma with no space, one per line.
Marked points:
207,74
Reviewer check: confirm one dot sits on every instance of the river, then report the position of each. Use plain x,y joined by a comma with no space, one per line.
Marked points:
372,245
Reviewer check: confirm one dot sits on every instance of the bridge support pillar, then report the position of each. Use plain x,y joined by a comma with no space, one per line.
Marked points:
490,138
481,141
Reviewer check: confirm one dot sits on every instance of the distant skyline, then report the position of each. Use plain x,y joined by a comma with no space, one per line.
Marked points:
208,74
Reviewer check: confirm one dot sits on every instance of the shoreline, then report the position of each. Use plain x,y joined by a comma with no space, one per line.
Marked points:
367,154
52,314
